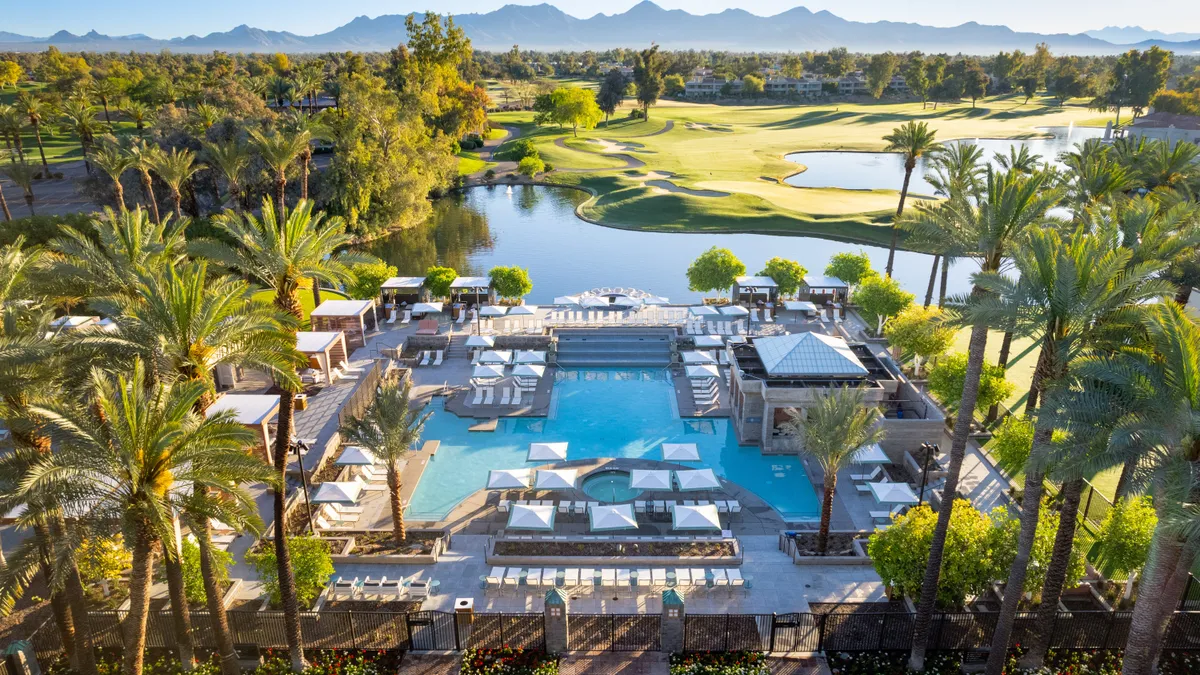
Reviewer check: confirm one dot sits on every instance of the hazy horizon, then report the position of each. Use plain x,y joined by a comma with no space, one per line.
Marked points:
308,17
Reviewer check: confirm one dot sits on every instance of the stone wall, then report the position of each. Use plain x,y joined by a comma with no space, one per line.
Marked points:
539,343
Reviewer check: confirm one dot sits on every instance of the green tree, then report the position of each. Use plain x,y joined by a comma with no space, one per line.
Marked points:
920,331
913,140
114,162
438,280
947,382
145,156
23,175
833,432
176,168
612,91
36,109
193,575
10,74
577,107
312,564
975,81
1011,443
752,85
648,70
917,79
510,282
229,160
787,274
881,298
851,268
390,428
1123,542
369,278
715,270
673,85
278,151
102,559
879,72
531,166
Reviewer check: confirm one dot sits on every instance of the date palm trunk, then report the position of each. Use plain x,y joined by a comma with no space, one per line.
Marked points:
134,626
932,279
1056,574
4,205
63,616
1002,362
280,193
909,165
37,136
181,613
1146,626
393,479
283,556
942,286
305,158
826,511
213,600
1171,595
76,599
148,194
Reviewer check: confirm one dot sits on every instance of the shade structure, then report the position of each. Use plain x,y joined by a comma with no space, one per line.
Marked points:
526,370
655,300
648,479
592,302
872,454
481,341
493,310
509,479
337,493
625,301
546,452
537,358
708,341
736,339
556,479
487,372
496,357
356,455
522,517
695,518
703,310
523,310
893,493
694,357
734,310
701,372
566,300
699,479
602,517
799,306
680,452
427,308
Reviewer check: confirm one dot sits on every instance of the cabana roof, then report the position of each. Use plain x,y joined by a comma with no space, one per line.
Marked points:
408,283
248,409
761,282
316,342
343,308
471,283
817,281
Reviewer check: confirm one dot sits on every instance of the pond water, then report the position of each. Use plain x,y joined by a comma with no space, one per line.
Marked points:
535,227
885,170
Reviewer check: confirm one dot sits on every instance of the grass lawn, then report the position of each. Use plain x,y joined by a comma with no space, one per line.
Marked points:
470,162
739,150
306,299
60,146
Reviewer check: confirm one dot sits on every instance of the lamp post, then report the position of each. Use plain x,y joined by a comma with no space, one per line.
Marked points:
296,447
929,449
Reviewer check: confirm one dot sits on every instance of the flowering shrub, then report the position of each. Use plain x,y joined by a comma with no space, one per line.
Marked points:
720,663
1069,662
108,662
508,661
891,663
331,662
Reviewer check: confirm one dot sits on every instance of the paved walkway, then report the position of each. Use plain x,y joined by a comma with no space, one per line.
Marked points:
616,663
430,664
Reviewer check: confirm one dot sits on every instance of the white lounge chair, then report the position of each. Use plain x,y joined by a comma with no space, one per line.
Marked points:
502,506
719,578
425,355
867,476
698,577
571,577
735,506
489,396
437,361
735,577
407,318
495,579
373,587
767,316
623,578
683,576
608,577
478,396
418,588
392,316
516,399
344,588
534,577
462,317
549,577
659,577
506,398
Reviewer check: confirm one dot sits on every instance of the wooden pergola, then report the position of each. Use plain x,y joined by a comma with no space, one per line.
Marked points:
254,411
324,349
351,317
398,290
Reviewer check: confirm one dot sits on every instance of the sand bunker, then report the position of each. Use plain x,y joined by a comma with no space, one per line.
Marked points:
668,186
700,126
614,146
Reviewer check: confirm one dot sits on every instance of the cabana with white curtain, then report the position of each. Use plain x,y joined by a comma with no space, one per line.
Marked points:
324,349
527,375
352,317
346,492
472,290
254,411
708,341
735,311
492,311
403,290
702,372
752,290
695,518
509,479
488,373
531,517
608,517
703,310
356,455
481,342
803,306
546,452
697,479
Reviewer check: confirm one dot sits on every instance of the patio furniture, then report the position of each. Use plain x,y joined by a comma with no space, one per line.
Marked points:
608,577
533,577
683,576
587,578
644,578
392,587
478,396
571,577
719,578
427,327
438,360
425,356
658,577
495,579
735,577
344,589
372,587
513,577
419,588
639,507
506,397
699,578
623,580
549,576
867,476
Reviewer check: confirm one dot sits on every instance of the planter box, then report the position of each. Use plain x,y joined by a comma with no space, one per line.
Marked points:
347,555
860,557
492,558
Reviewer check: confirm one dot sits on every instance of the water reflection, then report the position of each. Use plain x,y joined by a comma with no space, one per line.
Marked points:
536,227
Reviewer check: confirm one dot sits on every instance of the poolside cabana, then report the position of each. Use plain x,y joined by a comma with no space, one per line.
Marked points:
702,371
345,492
324,349
872,454
753,290
698,479
509,479
650,479
680,452
533,358
402,290
471,291
556,479
695,518
593,302
607,517
72,322
527,517
820,290
352,317
546,452
423,308
708,341
494,357
703,310
254,411
566,300
696,358
527,371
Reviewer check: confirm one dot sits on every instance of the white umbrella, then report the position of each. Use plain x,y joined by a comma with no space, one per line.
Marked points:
494,357
527,370
538,358
680,452
644,479
872,454
708,341
493,310
612,517
522,517
700,479
337,493
701,372
893,493
567,300
487,372
509,479
556,479
427,308
593,302
736,339
697,357
481,341
523,310
695,518
544,452
354,455
702,310
734,310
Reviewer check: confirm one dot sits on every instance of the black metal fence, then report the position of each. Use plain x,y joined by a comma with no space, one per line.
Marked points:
614,632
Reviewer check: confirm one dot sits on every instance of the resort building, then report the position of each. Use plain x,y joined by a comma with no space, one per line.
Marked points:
1163,126
709,87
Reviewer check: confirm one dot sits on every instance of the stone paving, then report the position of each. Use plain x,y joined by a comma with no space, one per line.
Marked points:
628,663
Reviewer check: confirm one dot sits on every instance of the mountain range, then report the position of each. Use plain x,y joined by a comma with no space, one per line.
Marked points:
546,27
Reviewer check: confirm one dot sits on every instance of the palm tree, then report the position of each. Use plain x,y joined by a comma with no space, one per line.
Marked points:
834,432
175,168
145,158
139,113
79,118
914,140
957,169
204,116
1018,159
35,109
126,450
106,90
982,228
304,84
1165,166
22,174
114,161
389,429
1093,173
1071,294
12,122
230,159
278,150
4,204
278,252
280,89
300,124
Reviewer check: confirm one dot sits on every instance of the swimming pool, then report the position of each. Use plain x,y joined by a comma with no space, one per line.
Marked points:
609,486
601,413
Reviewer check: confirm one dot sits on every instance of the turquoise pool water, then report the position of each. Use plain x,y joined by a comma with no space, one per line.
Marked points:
609,486
601,413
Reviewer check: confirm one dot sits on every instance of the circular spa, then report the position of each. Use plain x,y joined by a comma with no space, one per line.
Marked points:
609,486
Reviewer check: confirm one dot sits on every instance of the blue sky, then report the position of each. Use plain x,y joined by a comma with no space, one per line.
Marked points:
159,19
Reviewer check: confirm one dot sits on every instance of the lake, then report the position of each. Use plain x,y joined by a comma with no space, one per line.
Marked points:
885,170
535,227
